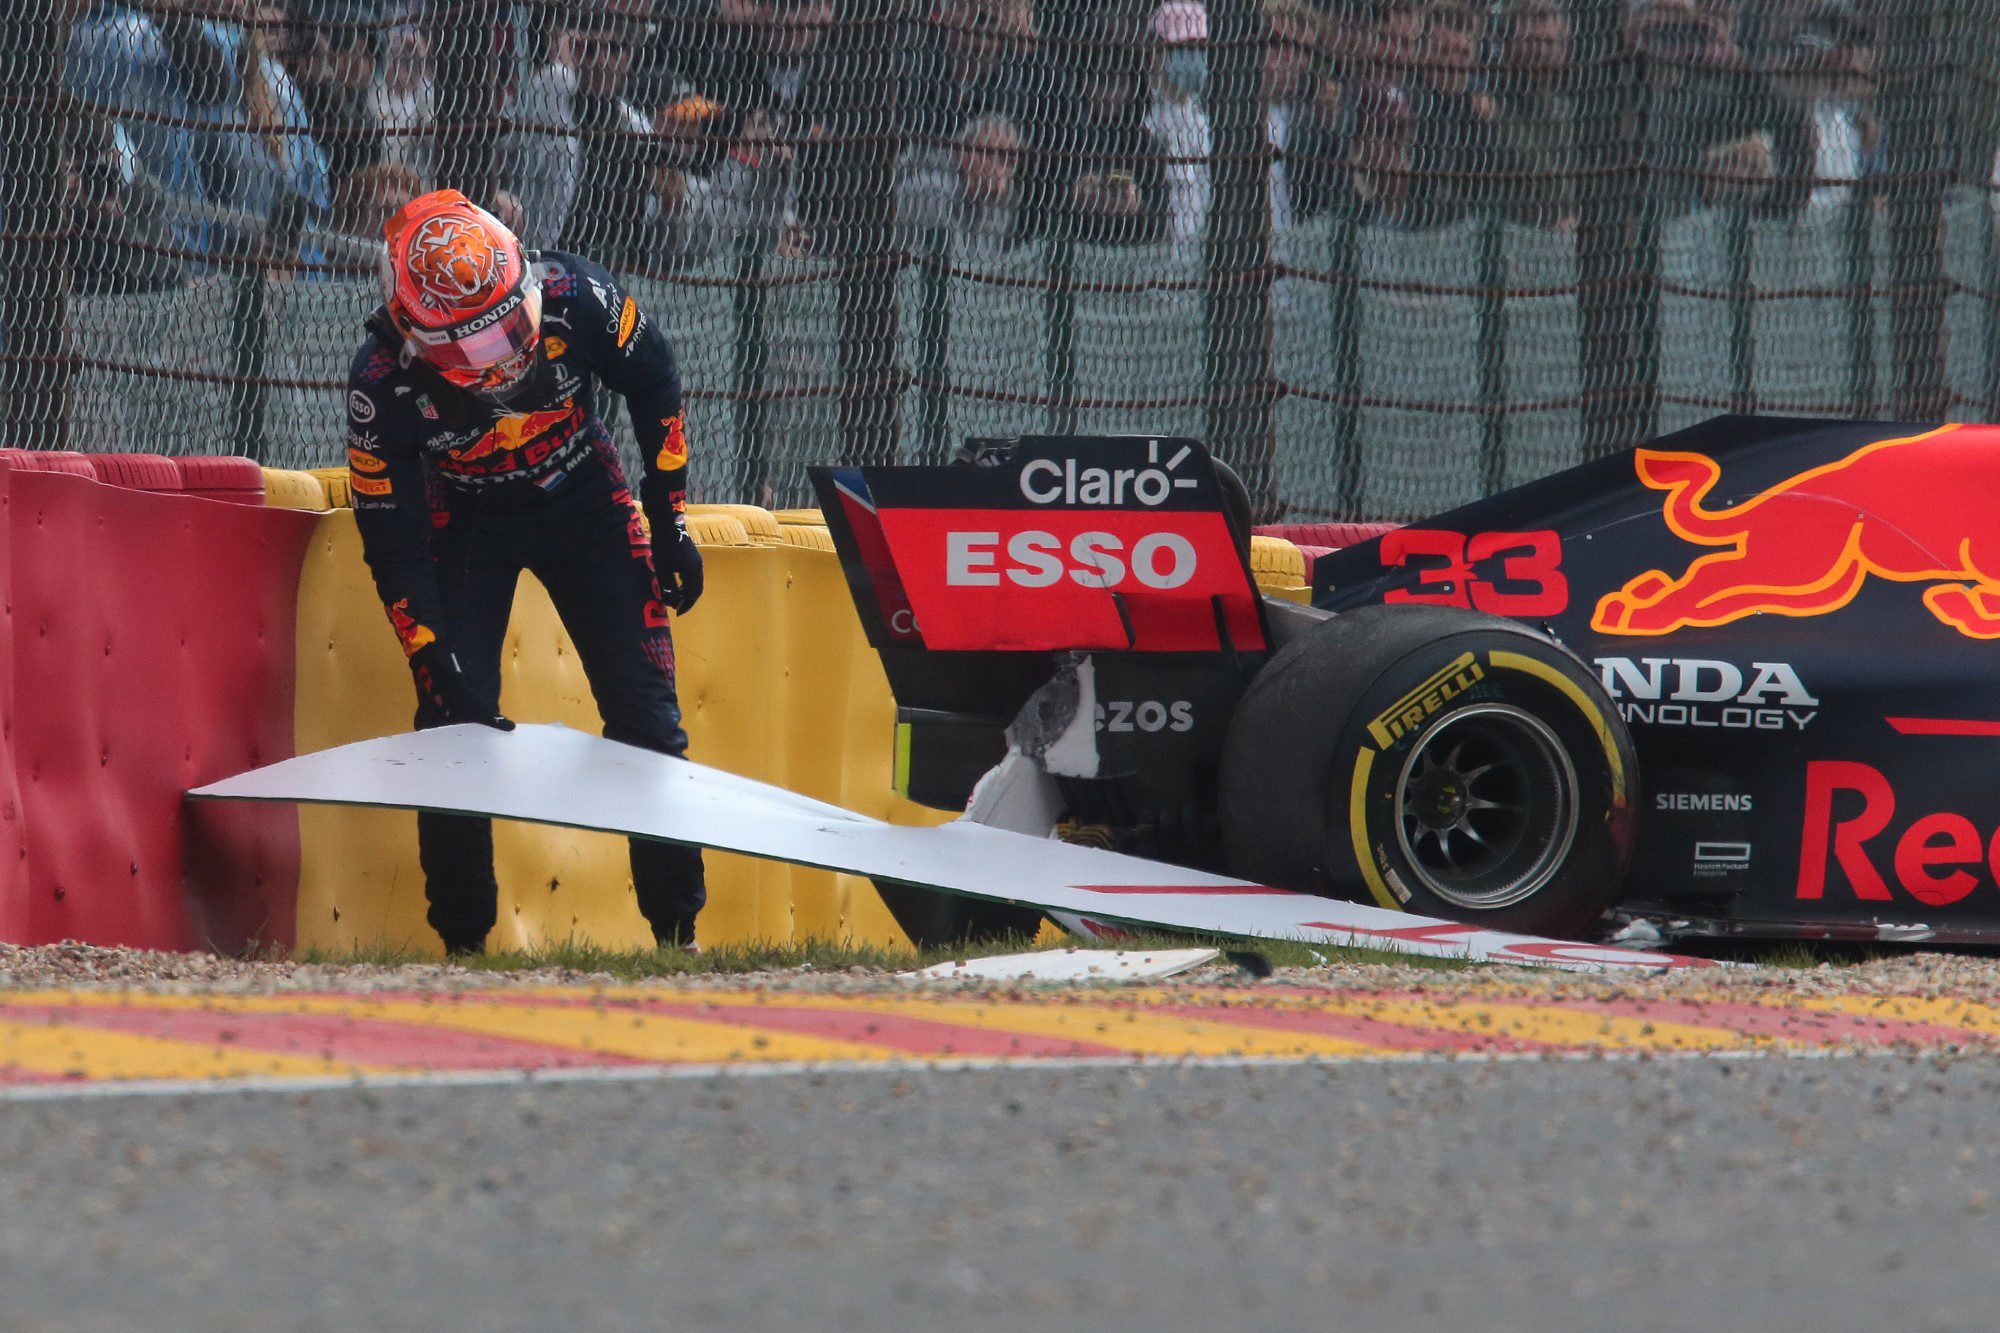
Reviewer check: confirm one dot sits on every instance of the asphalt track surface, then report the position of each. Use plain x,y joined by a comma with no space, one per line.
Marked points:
1853,1191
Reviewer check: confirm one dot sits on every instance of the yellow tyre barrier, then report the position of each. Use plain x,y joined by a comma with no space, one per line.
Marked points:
285,489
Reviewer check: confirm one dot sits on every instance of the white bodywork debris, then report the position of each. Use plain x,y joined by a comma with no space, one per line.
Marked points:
1070,965
553,775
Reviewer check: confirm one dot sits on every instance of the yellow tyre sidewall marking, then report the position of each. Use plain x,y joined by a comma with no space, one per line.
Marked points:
1357,826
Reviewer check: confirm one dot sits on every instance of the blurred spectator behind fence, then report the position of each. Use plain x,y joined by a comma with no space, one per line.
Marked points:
120,241
1292,43
606,214
157,65
1534,122
363,205
768,68
968,191
1178,118
333,65
753,55
402,101
1827,67
1716,127
1119,193
698,187
481,54
507,208
539,158
261,162
1451,152
1304,112
1376,185
979,57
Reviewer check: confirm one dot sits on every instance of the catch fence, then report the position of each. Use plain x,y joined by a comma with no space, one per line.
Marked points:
1385,257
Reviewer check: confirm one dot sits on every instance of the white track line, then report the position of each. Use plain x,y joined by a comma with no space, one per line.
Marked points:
482,1078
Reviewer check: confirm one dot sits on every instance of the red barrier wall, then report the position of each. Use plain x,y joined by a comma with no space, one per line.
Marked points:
149,648
1328,536
13,818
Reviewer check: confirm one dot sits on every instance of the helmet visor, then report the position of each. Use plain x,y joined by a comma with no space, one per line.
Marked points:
464,354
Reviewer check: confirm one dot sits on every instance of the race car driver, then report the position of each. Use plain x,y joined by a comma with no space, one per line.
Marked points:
475,451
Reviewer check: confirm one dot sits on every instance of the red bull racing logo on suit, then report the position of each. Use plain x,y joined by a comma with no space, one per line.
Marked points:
524,430
1915,509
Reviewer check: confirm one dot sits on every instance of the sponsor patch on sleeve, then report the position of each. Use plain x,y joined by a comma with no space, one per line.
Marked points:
362,461
368,485
628,320
674,448
360,406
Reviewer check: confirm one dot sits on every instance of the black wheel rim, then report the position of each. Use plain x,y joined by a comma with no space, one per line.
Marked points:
1486,807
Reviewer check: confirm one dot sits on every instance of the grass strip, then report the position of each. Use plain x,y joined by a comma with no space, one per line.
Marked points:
837,956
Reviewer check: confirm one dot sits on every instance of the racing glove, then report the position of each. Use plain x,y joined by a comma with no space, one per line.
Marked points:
677,566
676,559
444,687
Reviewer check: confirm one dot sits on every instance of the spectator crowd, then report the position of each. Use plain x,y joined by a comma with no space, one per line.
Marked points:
661,134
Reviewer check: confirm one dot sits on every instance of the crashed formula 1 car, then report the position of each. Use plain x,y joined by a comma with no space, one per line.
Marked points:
1742,681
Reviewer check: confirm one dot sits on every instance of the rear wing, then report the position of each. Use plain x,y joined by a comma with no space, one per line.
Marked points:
973,579
1047,543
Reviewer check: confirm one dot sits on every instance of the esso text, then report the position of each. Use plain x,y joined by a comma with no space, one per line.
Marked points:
1031,559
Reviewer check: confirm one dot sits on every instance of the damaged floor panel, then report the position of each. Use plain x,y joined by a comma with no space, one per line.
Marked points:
553,775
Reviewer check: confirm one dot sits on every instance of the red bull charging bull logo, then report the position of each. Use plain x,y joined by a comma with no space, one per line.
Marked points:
513,432
1918,509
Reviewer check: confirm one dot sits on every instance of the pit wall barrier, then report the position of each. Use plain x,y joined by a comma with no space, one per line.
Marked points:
164,629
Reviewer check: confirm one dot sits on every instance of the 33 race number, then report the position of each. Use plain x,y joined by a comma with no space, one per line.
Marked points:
1456,570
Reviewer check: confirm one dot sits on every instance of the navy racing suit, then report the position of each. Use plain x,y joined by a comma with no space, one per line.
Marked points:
455,494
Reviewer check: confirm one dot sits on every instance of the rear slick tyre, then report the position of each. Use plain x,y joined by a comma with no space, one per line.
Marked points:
1435,761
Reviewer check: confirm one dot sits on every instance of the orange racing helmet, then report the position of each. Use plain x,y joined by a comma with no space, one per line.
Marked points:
461,292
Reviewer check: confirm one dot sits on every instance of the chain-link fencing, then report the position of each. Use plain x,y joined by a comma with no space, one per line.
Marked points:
1386,256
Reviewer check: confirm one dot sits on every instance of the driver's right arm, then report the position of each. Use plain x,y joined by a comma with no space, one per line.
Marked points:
385,472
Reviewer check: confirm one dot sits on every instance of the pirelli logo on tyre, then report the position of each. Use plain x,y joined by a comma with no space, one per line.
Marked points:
1438,689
